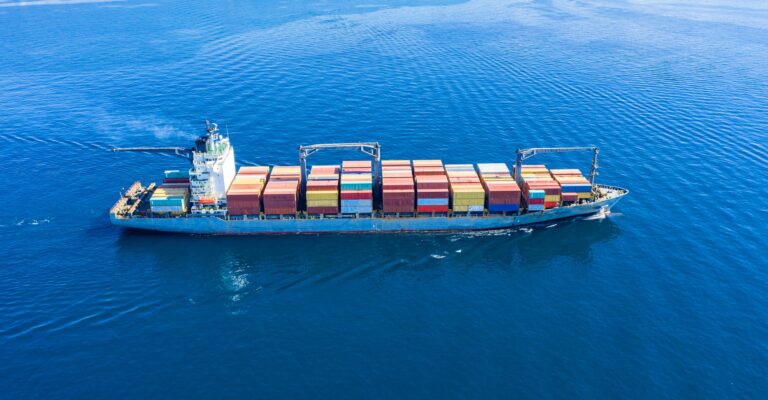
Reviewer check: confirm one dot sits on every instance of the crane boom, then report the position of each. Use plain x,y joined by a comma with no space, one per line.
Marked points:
177,151
372,149
524,154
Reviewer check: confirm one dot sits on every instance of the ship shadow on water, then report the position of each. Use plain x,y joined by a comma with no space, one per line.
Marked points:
284,262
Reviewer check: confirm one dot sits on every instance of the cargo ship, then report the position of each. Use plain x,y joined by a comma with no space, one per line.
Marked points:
213,197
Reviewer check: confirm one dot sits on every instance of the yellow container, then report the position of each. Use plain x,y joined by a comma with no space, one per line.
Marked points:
585,195
460,208
322,195
322,203
552,197
468,202
469,195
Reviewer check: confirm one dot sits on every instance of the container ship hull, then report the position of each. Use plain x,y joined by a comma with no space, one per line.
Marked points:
212,225
358,196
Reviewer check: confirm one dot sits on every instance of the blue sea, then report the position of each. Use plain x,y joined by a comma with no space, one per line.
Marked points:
665,298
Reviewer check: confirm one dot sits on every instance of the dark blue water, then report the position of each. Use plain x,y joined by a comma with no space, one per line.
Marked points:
668,297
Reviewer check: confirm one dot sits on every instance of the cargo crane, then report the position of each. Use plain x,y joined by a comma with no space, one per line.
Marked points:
372,149
524,154
212,129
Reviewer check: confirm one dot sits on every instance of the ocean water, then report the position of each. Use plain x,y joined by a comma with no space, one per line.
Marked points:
665,298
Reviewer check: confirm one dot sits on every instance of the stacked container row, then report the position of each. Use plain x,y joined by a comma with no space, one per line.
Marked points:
503,193
432,189
282,190
540,190
398,190
244,194
323,190
356,187
574,185
176,178
169,200
467,193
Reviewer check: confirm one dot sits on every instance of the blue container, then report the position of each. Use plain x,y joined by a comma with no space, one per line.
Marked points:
351,210
357,203
356,185
576,188
432,202
503,207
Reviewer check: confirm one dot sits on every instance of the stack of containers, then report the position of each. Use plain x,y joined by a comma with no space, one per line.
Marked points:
323,190
540,190
356,187
467,193
282,190
574,185
398,190
432,189
175,178
244,194
503,193
169,200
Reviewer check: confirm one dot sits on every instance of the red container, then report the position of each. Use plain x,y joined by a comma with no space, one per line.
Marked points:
399,208
398,194
432,193
504,200
434,185
322,210
535,201
176,180
399,202
356,195
243,203
243,210
322,185
550,204
427,163
432,209
428,171
396,174
394,187
570,196
249,170
358,163
175,185
278,197
565,172
394,163
279,210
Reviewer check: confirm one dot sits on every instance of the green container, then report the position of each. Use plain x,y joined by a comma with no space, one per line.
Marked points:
177,173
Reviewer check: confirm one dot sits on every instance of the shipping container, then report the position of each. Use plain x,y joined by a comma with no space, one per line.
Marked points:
281,192
431,182
573,182
323,189
356,188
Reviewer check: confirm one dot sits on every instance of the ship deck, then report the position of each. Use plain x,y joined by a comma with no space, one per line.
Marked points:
131,211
